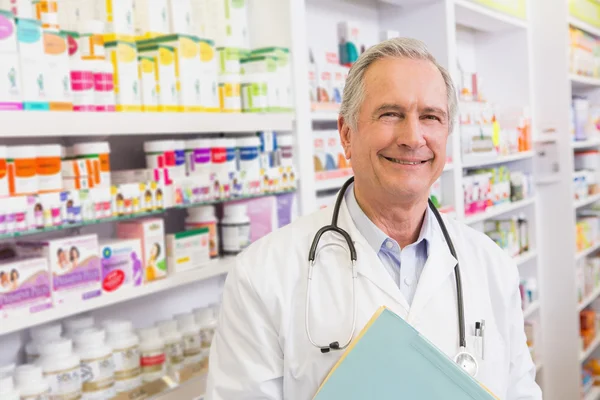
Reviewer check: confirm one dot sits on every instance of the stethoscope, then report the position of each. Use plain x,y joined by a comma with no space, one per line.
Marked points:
463,358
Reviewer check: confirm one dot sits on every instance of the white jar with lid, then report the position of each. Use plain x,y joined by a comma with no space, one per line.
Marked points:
160,153
61,369
205,318
40,335
192,342
249,164
98,155
204,217
173,344
31,383
73,325
153,358
125,346
235,229
97,365
7,388
197,157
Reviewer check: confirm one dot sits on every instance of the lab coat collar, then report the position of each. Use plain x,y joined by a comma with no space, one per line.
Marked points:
440,264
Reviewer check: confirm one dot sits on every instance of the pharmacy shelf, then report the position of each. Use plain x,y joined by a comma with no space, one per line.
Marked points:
533,307
586,144
586,201
324,116
331,180
587,300
521,259
481,18
481,161
584,26
582,254
495,211
64,124
584,355
579,82
593,394
212,269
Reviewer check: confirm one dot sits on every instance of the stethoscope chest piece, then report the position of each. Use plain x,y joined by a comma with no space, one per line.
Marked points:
467,362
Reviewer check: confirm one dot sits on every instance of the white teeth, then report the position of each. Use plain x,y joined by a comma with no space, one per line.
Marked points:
404,162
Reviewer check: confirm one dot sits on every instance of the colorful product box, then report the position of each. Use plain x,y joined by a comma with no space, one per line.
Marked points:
147,67
121,261
119,18
10,70
283,74
74,266
71,207
266,67
151,233
166,75
56,50
151,18
209,77
124,58
24,287
188,250
33,66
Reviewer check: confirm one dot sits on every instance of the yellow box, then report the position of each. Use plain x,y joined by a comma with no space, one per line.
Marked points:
166,75
123,55
147,67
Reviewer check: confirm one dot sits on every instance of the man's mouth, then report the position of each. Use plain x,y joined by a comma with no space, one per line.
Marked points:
405,162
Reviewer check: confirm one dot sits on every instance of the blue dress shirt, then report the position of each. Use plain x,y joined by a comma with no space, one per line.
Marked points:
404,265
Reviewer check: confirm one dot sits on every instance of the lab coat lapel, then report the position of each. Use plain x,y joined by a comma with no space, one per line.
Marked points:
437,270
368,263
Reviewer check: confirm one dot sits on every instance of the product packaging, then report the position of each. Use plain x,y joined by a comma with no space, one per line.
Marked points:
58,72
188,250
262,214
263,69
22,168
282,76
24,287
126,198
235,229
31,383
181,16
74,265
151,233
96,363
166,74
350,45
173,344
151,18
192,340
126,354
123,55
230,95
32,61
11,92
119,18
152,351
121,261
209,82
61,369
204,217
147,67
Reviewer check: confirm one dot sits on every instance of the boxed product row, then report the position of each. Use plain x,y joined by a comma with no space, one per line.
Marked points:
585,183
589,325
329,154
510,234
587,276
587,229
83,358
584,119
48,69
490,187
223,21
584,53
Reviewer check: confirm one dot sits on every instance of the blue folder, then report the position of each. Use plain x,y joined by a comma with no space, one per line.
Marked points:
391,360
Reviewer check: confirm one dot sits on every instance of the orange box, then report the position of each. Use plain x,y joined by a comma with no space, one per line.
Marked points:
22,167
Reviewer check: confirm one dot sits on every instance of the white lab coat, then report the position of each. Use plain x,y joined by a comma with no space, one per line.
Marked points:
261,350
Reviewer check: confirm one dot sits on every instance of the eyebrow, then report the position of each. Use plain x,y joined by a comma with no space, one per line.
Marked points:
396,107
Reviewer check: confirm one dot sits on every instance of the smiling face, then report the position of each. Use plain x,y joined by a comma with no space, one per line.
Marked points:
399,147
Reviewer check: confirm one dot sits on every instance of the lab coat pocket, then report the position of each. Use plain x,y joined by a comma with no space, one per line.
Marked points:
490,352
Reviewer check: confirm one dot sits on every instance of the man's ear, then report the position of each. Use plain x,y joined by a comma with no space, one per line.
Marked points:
345,132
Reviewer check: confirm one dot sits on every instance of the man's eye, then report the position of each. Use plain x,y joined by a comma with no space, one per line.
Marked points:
389,114
432,117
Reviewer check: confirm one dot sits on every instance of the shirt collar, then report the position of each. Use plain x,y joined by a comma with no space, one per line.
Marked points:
372,233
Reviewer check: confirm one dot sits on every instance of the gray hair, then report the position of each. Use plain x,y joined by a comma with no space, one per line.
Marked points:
354,91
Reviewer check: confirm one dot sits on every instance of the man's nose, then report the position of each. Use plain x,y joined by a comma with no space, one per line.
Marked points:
410,134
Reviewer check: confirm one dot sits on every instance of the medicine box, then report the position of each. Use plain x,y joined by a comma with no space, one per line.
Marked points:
181,16
349,42
25,287
151,233
71,206
121,261
33,65
229,25
209,77
119,18
124,58
147,67
151,18
188,250
266,66
58,71
74,265
10,71
166,74
283,74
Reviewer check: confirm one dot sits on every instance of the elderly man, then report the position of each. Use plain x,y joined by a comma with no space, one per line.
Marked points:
394,123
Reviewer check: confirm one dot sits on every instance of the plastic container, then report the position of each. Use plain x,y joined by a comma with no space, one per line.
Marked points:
31,383
3,172
230,93
249,164
192,342
160,153
39,336
125,346
173,344
201,217
22,167
97,365
48,168
153,358
76,324
218,158
235,229
7,388
197,157
98,154
61,369
179,148
205,318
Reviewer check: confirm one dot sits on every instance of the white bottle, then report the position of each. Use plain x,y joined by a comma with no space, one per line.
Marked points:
40,335
125,346
205,318
152,350
31,383
72,326
235,229
8,369
7,388
61,369
97,366
173,344
192,343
